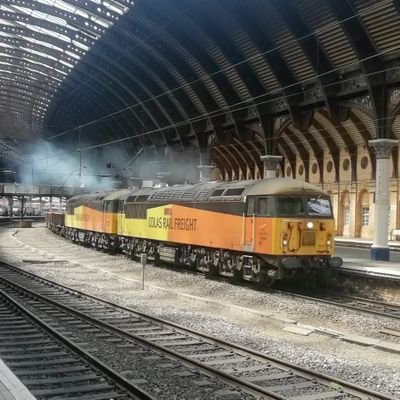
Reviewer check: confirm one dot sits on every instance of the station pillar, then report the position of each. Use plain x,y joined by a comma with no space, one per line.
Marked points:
10,206
270,163
205,172
380,247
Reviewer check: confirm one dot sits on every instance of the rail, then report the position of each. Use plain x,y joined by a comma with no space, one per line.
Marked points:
224,363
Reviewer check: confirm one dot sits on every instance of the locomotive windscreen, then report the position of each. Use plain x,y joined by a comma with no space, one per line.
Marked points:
303,206
290,206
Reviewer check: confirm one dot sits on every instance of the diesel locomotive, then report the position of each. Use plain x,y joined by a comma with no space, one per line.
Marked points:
258,230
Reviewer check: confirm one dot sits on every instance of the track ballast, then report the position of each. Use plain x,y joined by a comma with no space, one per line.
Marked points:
223,369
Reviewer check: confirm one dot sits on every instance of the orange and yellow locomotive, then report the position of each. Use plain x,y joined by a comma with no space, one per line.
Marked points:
259,230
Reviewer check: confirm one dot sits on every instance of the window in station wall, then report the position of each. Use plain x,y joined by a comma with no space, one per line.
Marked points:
347,215
345,204
364,162
365,216
364,205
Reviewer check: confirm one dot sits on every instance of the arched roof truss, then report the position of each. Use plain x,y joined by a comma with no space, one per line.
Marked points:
211,75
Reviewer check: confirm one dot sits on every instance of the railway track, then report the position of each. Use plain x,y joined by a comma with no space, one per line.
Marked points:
189,361
50,365
351,302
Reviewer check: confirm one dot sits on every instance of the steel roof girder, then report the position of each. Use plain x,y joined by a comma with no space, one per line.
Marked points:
137,82
18,18
18,54
383,119
144,88
85,70
30,67
207,64
315,53
316,57
273,58
230,53
270,134
15,95
91,88
225,88
24,32
304,155
37,90
357,35
65,14
21,80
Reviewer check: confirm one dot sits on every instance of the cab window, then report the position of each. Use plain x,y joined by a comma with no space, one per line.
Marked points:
319,206
251,206
290,206
261,206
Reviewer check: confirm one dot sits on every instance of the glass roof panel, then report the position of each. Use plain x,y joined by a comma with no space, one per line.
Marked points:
42,43
38,53
5,22
46,38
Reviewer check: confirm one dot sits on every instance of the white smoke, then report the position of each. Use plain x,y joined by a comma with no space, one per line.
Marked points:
94,169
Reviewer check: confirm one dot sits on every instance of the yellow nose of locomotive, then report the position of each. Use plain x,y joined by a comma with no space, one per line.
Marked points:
306,237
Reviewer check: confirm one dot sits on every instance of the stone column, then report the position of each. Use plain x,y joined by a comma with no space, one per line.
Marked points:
205,172
10,206
270,163
383,149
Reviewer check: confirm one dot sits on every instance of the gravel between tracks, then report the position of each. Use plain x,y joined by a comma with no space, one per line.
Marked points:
117,279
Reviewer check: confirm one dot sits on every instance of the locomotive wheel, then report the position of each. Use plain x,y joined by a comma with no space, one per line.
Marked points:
264,280
237,276
212,270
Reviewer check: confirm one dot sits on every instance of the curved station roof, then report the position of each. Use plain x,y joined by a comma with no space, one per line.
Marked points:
231,79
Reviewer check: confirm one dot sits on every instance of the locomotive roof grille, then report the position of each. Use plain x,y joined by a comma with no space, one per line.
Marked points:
234,192
142,198
203,195
188,195
131,199
217,192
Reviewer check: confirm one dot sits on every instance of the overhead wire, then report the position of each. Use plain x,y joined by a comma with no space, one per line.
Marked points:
232,66
231,107
213,114
362,130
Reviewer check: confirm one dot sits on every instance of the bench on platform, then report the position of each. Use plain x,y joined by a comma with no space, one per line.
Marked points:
395,234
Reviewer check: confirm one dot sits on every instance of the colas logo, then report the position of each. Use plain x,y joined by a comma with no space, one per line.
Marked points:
172,223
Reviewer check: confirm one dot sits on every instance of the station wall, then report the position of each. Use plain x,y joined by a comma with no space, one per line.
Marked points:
353,194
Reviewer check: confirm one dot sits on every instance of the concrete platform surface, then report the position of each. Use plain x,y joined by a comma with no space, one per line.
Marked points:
11,388
356,254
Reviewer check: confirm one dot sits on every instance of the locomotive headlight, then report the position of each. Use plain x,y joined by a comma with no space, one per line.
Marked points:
328,242
310,225
284,240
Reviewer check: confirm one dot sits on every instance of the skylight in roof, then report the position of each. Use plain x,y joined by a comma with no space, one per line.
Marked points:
44,44
41,41
38,53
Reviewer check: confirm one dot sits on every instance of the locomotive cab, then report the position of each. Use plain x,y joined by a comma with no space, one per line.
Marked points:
291,232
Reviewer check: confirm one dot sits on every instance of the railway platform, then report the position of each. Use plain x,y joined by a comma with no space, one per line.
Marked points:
11,388
356,256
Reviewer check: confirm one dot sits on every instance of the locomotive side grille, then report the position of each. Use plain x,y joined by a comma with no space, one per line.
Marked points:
308,238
